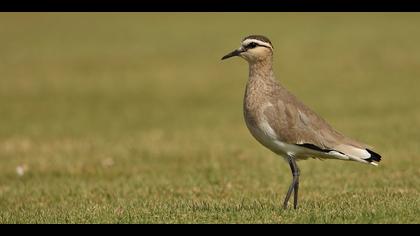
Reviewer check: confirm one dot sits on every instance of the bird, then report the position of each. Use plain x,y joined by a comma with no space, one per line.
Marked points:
282,123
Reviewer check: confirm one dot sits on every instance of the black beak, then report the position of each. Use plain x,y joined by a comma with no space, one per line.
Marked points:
232,54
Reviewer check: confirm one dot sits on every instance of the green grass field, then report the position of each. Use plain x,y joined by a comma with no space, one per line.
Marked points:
133,118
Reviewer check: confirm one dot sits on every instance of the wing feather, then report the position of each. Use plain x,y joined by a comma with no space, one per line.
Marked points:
295,123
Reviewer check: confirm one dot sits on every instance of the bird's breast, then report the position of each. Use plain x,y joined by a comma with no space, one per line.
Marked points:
260,128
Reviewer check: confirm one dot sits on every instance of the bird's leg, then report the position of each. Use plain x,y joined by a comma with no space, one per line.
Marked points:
289,193
295,183
296,174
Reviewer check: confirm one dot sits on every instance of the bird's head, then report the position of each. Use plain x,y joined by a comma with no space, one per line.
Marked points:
253,48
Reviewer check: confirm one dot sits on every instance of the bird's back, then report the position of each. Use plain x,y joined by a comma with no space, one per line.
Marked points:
292,122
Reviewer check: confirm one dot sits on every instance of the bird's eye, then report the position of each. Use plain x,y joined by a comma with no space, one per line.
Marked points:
252,45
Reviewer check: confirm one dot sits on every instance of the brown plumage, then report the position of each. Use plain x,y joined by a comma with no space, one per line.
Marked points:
292,121
282,123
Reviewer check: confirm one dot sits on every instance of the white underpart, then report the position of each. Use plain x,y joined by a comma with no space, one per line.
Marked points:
248,41
338,155
361,153
358,154
267,136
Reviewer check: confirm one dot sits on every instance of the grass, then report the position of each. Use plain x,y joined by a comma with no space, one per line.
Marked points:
132,118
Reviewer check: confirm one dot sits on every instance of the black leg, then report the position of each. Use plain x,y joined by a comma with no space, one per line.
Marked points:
295,202
289,193
294,185
296,173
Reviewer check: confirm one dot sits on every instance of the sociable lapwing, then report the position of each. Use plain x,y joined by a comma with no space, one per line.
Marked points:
283,124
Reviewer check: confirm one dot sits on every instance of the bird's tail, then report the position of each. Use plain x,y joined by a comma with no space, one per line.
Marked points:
374,157
361,155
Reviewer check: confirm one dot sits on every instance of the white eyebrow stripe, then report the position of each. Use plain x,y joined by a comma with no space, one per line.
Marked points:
248,41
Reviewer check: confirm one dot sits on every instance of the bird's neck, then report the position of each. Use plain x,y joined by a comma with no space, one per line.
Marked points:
261,81
262,69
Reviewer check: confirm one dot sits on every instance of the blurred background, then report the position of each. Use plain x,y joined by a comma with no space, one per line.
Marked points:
108,117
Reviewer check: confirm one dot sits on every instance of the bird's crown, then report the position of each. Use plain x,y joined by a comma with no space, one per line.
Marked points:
257,40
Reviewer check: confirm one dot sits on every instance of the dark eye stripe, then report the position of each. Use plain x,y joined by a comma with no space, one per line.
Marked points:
254,45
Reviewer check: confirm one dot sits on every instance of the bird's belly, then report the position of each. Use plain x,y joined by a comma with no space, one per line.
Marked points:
265,139
265,135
